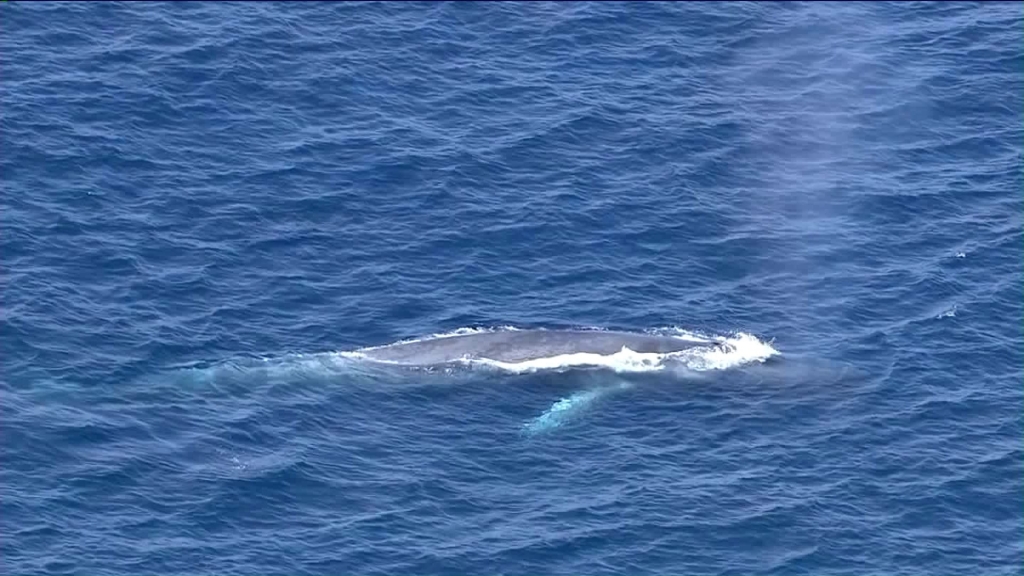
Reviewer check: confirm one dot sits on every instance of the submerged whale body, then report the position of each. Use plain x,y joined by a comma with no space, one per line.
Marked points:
515,346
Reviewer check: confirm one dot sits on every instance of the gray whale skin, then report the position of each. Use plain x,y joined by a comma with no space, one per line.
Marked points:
513,346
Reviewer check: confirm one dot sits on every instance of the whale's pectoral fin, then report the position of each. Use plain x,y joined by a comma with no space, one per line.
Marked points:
570,407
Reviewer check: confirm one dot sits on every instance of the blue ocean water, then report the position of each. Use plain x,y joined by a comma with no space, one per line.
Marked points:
207,206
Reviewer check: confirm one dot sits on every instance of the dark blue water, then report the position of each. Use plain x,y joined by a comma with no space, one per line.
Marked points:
205,205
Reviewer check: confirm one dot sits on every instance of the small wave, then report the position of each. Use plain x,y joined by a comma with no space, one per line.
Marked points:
683,334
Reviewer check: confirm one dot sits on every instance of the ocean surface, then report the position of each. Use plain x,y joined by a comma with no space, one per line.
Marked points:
210,209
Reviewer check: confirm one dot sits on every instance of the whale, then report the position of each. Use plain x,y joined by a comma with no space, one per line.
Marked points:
516,346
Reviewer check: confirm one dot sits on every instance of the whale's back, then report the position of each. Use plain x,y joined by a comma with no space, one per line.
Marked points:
515,346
